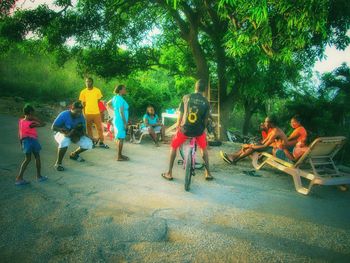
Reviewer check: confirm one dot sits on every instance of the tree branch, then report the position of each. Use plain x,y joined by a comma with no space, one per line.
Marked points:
179,21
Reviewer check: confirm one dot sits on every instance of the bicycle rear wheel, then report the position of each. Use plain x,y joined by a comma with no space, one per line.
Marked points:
188,170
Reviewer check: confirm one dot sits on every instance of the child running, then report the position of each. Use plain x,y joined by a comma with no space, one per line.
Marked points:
29,140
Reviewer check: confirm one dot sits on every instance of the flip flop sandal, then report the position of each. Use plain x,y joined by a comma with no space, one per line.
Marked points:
22,182
166,177
59,167
251,173
42,179
209,178
225,157
102,145
246,172
126,158
77,158
94,143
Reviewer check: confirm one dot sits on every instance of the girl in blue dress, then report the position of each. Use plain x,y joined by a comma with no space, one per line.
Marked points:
152,124
120,120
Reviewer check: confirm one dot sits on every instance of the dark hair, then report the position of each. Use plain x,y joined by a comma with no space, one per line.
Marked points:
118,88
28,109
201,85
297,118
272,119
77,105
89,78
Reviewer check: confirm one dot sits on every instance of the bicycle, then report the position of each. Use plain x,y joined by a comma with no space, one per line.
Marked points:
235,136
189,162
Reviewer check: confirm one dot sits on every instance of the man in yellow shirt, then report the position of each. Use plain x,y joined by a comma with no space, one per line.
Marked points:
90,97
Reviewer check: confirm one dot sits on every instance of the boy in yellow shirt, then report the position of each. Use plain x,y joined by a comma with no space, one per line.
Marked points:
90,97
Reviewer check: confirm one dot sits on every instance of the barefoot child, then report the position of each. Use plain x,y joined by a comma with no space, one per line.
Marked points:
29,140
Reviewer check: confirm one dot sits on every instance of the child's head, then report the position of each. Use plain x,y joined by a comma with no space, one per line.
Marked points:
150,110
295,122
28,110
262,127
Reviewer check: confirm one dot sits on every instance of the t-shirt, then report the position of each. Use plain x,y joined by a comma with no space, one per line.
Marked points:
117,103
151,121
25,130
66,121
195,109
301,133
264,133
90,98
101,106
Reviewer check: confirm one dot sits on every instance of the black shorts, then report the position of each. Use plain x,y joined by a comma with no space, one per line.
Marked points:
268,149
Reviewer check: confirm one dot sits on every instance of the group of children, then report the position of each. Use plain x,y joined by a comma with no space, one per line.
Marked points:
30,145
274,141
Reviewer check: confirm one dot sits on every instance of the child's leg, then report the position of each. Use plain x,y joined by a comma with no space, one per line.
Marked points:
23,166
288,155
235,155
60,154
153,135
38,164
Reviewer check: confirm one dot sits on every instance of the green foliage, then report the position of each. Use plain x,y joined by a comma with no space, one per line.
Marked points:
29,72
6,6
279,28
257,52
155,87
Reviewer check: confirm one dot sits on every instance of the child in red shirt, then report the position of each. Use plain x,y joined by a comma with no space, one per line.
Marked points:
29,141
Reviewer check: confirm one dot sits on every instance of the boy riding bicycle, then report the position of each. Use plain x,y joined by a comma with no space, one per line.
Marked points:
192,121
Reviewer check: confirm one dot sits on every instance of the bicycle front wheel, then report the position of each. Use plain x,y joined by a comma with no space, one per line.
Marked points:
188,170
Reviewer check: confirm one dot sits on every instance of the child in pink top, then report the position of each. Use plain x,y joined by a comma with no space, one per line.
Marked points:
29,141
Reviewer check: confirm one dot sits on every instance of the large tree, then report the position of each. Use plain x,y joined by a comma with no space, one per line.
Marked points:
219,35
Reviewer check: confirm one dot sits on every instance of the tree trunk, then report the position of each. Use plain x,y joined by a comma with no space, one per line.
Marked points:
189,32
221,68
248,113
225,114
198,55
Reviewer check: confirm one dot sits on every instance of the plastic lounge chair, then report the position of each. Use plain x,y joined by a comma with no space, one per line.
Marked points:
138,130
316,164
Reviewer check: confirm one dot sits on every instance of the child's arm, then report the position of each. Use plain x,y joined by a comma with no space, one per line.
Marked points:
36,122
109,104
59,129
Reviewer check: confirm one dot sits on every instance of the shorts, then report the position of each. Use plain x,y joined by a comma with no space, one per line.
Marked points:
180,138
268,149
156,129
280,154
30,145
63,141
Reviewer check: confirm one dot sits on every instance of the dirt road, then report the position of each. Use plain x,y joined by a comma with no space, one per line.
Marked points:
108,211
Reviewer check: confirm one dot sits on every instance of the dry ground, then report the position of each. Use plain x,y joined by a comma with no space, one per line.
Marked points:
108,211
